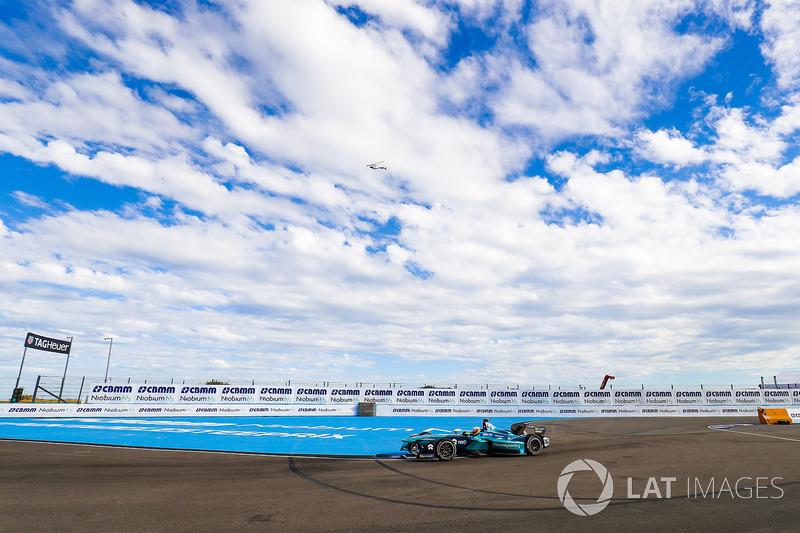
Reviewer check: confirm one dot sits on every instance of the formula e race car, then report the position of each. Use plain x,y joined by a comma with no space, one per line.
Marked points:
524,438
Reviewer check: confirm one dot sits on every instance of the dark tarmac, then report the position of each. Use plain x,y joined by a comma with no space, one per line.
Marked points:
746,478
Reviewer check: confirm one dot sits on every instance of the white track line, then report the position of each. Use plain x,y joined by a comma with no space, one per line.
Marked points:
750,433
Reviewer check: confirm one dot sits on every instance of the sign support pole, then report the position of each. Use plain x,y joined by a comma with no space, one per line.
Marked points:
64,377
108,362
20,366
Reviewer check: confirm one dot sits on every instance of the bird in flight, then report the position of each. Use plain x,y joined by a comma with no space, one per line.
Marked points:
375,166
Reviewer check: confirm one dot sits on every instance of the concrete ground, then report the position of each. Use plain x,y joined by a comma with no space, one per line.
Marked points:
744,478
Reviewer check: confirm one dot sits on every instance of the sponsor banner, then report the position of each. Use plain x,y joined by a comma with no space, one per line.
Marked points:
535,412
410,396
346,395
237,395
738,410
576,411
629,397
108,393
166,410
104,393
150,394
38,342
441,396
560,397
504,397
777,397
718,397
716,410
30,411
130,393
473,397
795,397
275,394
752,397
794,414
311,395
198,394
689,397
531,398
597,397
378,396
579,411
659,397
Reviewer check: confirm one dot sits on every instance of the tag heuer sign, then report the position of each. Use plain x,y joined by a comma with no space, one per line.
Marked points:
37,342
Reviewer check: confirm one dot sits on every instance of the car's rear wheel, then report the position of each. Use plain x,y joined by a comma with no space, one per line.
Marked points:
534,445
445,449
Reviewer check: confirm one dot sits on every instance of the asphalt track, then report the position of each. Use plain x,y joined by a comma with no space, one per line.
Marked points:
736,478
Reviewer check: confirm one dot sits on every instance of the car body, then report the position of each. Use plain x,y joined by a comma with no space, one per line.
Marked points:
524,438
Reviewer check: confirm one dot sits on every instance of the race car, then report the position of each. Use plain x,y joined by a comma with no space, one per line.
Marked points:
524,438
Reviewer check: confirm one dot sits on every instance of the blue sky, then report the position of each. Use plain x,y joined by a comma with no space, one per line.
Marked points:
573,188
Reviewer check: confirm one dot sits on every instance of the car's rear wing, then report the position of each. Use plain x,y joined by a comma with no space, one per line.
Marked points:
527,428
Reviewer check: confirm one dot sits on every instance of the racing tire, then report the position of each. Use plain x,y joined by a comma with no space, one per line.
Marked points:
445,450
534,445
414,448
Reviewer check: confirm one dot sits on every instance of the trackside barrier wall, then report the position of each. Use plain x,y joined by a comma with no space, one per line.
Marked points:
147,399
268,394
150,410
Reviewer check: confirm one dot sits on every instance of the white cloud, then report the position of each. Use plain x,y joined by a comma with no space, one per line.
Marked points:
779,182
599,65
405,14
668,148
29,200
780,23
12,89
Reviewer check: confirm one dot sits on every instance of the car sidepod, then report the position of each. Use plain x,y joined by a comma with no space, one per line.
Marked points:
502,443
443,447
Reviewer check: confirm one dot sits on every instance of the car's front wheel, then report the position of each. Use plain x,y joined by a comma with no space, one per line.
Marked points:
445,449
414,448
534,445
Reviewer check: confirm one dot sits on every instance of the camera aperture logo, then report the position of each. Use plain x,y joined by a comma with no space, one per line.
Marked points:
587,509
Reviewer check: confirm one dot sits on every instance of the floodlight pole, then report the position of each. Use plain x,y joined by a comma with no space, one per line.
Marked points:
110,344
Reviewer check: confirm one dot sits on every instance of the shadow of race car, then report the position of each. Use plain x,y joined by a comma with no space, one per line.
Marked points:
524,438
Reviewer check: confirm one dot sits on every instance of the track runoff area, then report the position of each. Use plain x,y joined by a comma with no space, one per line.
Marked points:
620,474
356,437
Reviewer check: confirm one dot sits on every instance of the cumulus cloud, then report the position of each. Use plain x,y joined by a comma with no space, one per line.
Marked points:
598,65
780,23
668,148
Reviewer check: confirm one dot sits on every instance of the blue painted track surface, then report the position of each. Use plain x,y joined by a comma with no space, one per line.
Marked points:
356,436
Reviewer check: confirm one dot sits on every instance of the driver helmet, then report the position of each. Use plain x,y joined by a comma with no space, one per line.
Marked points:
475,431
